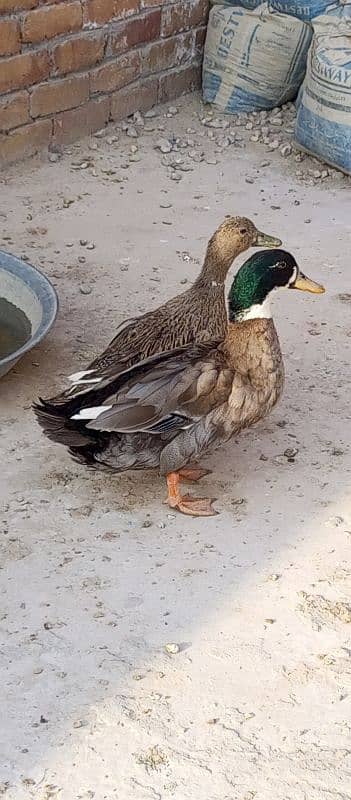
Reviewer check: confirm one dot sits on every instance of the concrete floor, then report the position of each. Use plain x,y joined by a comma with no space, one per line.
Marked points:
97,574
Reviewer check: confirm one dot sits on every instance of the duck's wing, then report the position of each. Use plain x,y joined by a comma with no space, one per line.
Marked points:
163,393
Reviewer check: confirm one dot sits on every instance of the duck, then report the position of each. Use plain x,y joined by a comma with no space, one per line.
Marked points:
169,409
198,314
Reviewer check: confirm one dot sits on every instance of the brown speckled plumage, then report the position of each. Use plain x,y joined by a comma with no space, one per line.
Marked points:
171,407
199,314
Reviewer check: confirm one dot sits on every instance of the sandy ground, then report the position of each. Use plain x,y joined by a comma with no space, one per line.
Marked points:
97,575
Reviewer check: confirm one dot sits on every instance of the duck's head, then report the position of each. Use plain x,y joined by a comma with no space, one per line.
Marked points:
234,236
258,277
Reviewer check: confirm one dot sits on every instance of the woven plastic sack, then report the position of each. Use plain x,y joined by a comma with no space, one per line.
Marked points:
323,124
306,10
253,59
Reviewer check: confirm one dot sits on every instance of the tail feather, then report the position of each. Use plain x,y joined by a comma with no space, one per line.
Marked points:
58,428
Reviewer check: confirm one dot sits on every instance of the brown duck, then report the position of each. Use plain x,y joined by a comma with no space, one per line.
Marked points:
198,314
170,408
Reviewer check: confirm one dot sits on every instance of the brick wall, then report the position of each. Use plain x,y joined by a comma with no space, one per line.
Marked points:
67,67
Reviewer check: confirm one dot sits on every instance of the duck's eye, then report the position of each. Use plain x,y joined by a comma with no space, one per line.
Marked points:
243,231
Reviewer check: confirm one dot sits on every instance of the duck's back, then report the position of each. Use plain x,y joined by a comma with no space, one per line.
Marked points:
197,315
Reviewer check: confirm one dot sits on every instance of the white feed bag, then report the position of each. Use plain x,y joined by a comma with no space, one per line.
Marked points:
253,59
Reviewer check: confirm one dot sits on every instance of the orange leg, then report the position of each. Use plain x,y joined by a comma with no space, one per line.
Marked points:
194,473
194,506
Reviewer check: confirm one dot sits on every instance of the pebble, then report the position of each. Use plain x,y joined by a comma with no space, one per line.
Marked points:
291,452
172,648
85,289
132,132
164,145
286,149
150,114
54,157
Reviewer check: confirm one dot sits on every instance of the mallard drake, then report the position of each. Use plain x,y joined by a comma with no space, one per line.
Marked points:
170,408
198,314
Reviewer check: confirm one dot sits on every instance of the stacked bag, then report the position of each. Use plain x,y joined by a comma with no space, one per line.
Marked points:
261,55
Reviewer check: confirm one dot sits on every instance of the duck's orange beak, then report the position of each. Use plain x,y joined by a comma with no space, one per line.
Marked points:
307,285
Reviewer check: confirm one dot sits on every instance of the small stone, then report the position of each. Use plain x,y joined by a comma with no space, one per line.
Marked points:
54,157
274,577
164,145
147,523
269,621
91,246
112,139
173,110
291,452
83,242
307,221
138,119
150,114
286,150
100,134
80,723
81,259
172,648
132,132
274,144
85,289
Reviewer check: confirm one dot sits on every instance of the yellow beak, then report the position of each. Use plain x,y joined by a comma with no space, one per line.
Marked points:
263,240
307,285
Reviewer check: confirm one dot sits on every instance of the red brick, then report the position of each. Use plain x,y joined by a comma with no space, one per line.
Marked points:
115,74
102,11
125,8
25,141
182,16
9,37
118,39
72,125
144,29
134,31
14,111
135,98
54,96
78,53
169,53
99,11
45,23
176,83
200,36
7,6
23,70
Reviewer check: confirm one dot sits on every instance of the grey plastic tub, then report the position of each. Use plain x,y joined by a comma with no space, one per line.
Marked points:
27,299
